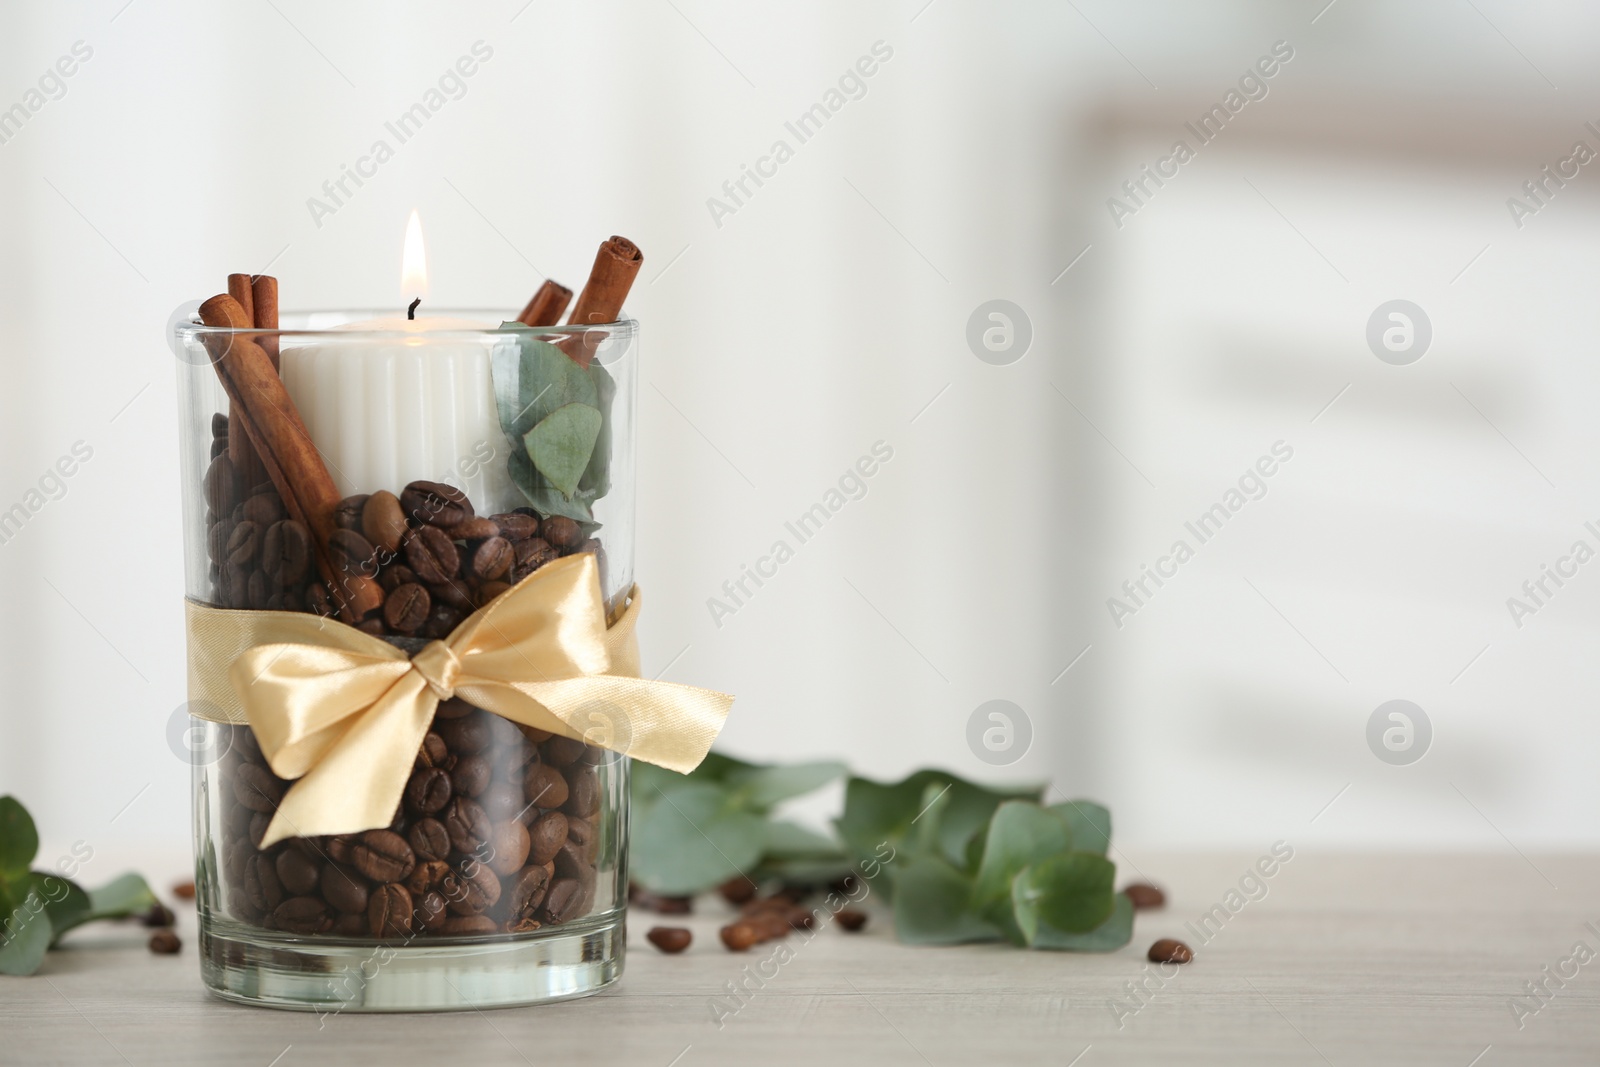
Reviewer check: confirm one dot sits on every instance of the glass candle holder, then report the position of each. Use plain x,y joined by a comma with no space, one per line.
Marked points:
502,878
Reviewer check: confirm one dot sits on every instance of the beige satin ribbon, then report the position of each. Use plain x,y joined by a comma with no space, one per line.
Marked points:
345,712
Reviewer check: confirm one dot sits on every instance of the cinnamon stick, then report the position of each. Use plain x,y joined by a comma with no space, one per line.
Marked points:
264,293
616,265
263,407
547,305
243,454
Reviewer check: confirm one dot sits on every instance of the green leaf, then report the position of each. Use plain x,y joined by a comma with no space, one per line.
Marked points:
19,841
545,498
764,787
690,840
1020,834
27,937
1090,823
1071,892
789,841
126,895
533,379
1110,935
597,476
561,443
65,902
932,905
875,812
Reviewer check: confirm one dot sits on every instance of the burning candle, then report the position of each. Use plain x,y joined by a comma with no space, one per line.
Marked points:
384,414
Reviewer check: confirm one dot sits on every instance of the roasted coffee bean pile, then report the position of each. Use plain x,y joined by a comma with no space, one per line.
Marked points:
412,565
496,833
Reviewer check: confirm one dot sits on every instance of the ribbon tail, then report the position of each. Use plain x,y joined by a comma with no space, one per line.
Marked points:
358,782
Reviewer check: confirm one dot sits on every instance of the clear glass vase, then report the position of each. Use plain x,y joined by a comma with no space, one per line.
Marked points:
502,878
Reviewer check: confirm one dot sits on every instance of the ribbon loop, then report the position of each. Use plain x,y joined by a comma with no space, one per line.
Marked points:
344,712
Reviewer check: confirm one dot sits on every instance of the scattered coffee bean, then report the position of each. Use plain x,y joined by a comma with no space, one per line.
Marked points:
158,915
1169,950
165,943
1144,896
185,890
670,939
740,936
737,890
852,919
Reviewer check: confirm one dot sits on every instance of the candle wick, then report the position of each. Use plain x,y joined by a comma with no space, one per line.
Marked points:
411,312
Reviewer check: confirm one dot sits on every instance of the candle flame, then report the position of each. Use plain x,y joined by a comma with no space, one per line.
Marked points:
414,263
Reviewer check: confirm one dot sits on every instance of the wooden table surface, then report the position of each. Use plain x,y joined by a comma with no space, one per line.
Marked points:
1345,960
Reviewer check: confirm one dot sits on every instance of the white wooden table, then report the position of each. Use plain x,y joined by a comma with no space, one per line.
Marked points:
1347,960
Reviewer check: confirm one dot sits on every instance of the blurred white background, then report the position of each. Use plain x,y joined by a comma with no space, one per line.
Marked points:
830,311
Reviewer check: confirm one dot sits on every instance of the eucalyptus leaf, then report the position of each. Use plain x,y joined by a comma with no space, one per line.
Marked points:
1071,892
1019,834
875,812
932,905
561,443
545,498
597,476
65,902
1109,936
690,839
19,841
533,379
787,841
26,935
765,787
125,895
1090,823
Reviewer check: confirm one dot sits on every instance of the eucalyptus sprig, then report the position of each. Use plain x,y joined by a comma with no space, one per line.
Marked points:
38,907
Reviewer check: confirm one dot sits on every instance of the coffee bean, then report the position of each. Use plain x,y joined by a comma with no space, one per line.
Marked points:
406,607
348,925
454,593
431,554
318,602
428,790
454,708
394,576
383,522
258,828
560,531
544,786
470,777
165,943
257,592
286,552
581,833
217,537
563,751
740,936
257,788
427,875
264,509
510,843
435,504
243,544
488,591
527,891
298,873
442,621
475,529
851,919
347,513
669,939
364,595
433,750
219,424
515,526
468,925
547,836
261,883
468,825
389,911
493,558
430,911
350,553
375,627
429,839
471,888
384,856
571,861
583,785
341,848
502,800
530,555
301,915
466,735
344,888
184,890
1168,950
1144,896
737,890
562,903
223,491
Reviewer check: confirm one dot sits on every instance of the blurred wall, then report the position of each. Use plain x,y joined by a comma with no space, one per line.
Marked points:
788,332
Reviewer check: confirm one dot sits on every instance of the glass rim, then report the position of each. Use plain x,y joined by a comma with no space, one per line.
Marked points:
188,327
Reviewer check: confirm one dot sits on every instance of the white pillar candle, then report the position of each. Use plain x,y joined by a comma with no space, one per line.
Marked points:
385,412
